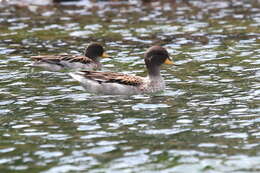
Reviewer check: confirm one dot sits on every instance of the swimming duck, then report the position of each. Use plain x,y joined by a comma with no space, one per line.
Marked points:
90,60
121,84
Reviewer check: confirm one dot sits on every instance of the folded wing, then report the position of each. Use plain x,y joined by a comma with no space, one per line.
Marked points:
56,59
110,77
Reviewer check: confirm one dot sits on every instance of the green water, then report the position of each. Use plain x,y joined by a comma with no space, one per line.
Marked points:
207,120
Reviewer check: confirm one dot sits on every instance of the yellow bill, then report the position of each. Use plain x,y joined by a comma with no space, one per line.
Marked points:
105,55
168,61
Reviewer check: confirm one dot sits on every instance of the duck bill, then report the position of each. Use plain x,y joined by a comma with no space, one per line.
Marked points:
105,55
168,61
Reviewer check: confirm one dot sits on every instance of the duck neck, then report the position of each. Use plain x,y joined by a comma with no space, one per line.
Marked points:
97,61
154,73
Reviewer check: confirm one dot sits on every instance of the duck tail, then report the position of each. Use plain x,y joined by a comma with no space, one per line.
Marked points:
88,84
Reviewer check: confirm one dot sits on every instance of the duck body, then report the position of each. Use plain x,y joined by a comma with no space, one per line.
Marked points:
89,61
121,84
61,62
117,83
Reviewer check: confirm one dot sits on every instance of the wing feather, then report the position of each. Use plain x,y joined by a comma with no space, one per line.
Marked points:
111,77
58,58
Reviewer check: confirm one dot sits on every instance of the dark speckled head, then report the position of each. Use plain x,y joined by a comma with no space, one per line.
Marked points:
155,56
95,50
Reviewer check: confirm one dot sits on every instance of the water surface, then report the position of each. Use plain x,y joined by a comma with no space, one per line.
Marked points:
207,120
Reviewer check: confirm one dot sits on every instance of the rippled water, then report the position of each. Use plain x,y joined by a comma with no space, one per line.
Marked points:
207,120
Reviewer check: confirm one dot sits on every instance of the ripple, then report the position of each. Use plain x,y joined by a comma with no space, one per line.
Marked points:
231,135
34,134
48,155
80,33
99,134
85,119
130,161
65,168
164,131
59,137
88,127
6,51
7,150
101,150
140,106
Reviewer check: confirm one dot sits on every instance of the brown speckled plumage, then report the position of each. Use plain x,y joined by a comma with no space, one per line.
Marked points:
111,77
58,58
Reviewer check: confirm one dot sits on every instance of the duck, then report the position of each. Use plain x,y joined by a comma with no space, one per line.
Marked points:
89,61
113,83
